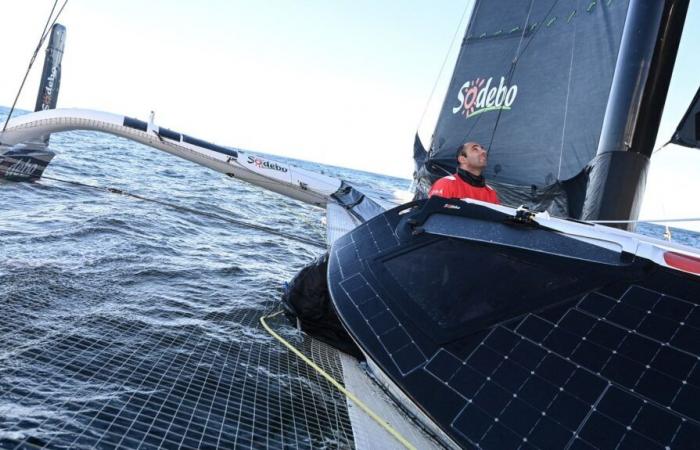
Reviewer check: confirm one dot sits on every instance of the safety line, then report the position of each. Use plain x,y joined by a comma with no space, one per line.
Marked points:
444,62
198,212
689,219
335,383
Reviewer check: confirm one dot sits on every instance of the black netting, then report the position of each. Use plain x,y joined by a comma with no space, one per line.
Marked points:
112,379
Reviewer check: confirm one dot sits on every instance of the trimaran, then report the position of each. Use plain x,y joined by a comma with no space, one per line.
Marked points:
497,326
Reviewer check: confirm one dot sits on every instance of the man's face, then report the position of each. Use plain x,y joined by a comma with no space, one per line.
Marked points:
476,156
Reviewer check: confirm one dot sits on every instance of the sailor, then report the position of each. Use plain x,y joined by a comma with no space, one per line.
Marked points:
468,181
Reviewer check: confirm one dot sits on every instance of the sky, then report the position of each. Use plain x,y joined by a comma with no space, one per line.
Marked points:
338,82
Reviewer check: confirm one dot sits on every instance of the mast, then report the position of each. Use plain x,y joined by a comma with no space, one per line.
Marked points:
643,71
47,96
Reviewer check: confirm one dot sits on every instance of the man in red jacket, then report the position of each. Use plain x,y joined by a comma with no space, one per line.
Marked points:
468,181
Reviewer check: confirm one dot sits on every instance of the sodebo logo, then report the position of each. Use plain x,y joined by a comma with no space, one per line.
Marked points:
262,164
48,90
478,96
21,169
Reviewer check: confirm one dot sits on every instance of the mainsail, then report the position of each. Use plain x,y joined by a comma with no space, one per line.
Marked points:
535,81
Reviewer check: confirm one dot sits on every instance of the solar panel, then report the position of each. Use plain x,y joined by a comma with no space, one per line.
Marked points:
598,373
586,367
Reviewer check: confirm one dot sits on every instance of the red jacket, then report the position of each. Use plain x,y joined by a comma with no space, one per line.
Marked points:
453,186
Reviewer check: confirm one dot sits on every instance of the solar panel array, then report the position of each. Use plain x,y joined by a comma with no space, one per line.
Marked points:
602,373
124,383
615,368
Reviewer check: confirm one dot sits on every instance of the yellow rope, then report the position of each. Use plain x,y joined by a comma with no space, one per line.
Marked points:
340,387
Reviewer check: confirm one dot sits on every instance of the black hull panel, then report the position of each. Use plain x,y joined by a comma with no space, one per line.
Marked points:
24,164
509,335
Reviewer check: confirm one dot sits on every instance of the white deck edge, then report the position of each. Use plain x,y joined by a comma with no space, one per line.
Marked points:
367,433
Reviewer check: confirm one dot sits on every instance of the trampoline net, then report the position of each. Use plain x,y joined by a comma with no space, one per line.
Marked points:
112,381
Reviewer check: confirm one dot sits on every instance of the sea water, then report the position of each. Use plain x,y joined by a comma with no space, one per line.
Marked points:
125,323
91,279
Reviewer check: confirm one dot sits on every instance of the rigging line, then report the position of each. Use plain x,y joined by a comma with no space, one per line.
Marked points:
443,169
444,62
55,19
44,33
511,71
537,29
566,103
518,55
381,422
240,223
661,148
688,219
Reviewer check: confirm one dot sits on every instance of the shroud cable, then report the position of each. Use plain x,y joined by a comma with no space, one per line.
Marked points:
44,33
240,223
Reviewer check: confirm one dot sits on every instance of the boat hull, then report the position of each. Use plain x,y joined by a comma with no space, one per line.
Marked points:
505,332
22,164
